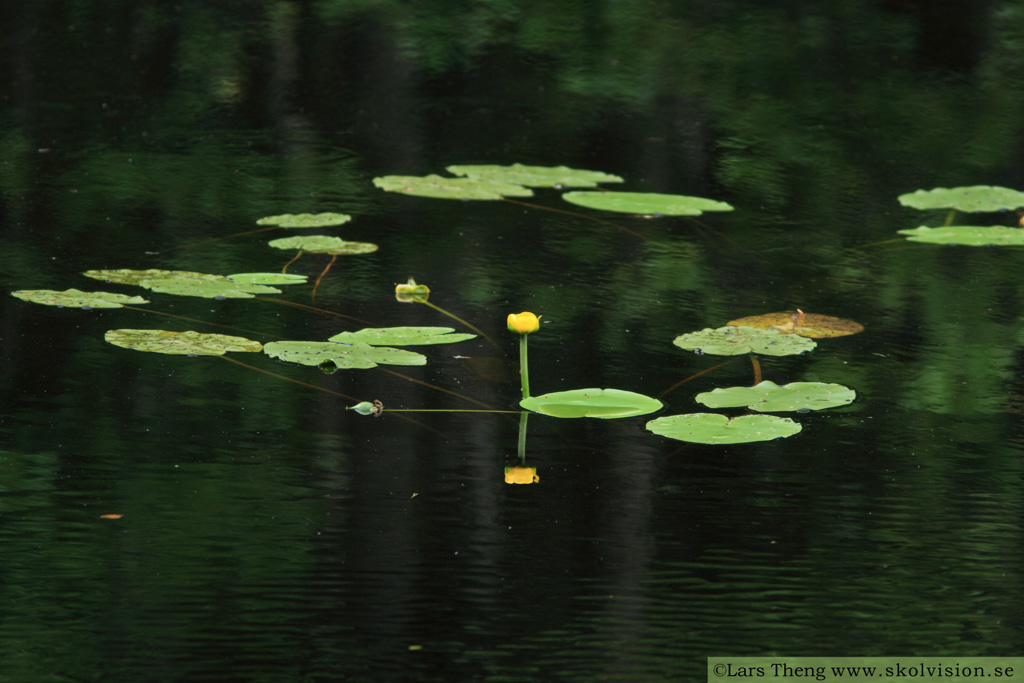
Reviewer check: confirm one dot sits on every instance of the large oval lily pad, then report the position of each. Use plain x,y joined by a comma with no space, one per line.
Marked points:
402,336
536,176
74,298
305,220
967,235
733,340
973,198
450,188
811,325
769,397
601,403
182,343
183,283
646,203
324,244
127,276
207,289
712,428
334,356
267,279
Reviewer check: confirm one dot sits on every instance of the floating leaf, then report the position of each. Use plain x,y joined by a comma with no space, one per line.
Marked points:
733,341
207,289
74,298
711,428
967,235
334,356
536,176
450,188
183,343
646,203
305,220
324,244
804,324
968,199
267,279
402,336
126,276
602,403
183,283
769,397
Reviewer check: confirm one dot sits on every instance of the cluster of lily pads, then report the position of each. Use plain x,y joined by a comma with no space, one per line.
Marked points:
773,335
973,199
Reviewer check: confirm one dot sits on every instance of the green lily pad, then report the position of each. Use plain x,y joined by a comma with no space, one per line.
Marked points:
324,244
183,283
181,343
305,220
450,188
733,340
711,428
127,276
207,289
769,397
267,279
402,336
967,235
646,203
73,298
334,356
536,176
974,198
601,403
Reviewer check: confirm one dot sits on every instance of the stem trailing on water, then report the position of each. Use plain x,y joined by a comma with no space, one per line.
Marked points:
524,371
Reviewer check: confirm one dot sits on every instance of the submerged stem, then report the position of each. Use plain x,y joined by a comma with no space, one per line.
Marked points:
757,369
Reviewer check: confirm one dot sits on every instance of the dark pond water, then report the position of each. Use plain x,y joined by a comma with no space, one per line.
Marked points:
266,533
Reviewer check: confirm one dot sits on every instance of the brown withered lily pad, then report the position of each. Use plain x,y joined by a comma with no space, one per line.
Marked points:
811,325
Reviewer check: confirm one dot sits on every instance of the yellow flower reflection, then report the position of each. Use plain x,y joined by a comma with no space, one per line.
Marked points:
521,475
523,323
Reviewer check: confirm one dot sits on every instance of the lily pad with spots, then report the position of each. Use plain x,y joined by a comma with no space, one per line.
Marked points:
181,343
267,279
600,403
712,428
74,298
986,198
324,244
536,176
303,221
646,203
127,276
733,340
207,289
450,188
967,235
402,336
769,397
331,356
811,325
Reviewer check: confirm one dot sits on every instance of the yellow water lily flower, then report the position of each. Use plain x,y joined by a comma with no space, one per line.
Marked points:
521,475
523,323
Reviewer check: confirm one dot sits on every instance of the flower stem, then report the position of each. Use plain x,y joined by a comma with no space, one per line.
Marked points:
521,451
524,370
